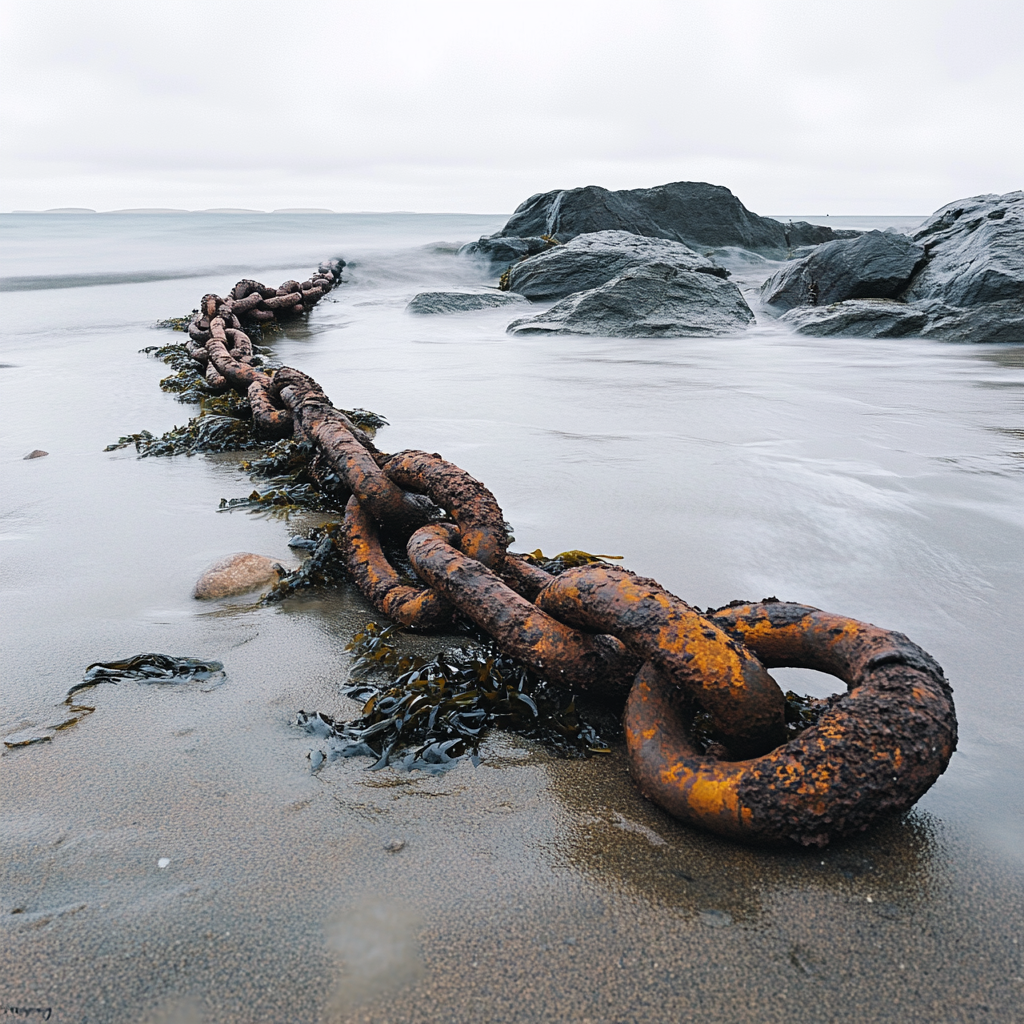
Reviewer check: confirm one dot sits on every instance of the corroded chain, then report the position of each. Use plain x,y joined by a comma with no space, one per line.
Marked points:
605,630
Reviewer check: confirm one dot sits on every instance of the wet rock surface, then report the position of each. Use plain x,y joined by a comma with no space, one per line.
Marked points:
693,212
975,252
884,318
593,259
235,574
502,251
655,301
461,302
874,266
967,286
858,318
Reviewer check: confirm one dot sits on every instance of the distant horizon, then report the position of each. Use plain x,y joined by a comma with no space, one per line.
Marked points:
320,211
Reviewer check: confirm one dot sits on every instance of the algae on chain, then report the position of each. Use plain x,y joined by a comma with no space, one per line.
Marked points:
286,464
430,714
566,560
281,501
202,434
178,323
324,567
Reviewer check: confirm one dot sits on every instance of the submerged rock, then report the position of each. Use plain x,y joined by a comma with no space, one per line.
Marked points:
873,266
858,318
236,574
654,301
693,212
990,323
462,302
592,259
503,251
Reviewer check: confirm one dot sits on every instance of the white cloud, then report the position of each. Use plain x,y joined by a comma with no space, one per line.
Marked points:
797,105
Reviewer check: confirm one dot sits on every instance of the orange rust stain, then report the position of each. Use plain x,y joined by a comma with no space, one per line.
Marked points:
713,797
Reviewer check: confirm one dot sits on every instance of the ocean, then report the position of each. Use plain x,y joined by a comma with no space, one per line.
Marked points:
880,479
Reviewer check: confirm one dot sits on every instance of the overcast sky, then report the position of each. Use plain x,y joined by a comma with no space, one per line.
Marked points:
798,106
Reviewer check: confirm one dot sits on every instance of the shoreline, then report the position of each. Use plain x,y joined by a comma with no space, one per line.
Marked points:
528,888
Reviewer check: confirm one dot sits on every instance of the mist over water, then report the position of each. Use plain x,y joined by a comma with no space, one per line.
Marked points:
874,478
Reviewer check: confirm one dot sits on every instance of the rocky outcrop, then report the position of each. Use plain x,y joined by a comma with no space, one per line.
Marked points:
654,301
858,318
692,212
462,302
590,260
989,323
873,266
503,251
236,574
975,252
968,286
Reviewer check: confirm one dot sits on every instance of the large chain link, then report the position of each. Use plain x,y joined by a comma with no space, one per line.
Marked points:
603,629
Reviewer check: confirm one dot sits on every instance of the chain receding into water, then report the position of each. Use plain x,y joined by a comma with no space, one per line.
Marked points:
709,734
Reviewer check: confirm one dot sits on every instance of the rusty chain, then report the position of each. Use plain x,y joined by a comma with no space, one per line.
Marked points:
875,749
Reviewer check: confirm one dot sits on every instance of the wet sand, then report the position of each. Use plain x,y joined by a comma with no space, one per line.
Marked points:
528,889
879,480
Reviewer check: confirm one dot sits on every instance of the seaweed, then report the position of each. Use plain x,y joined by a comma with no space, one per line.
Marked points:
287,458
149,668
566,560
293,488
205,433
177,323
368,422
282,500
323,568
428,715
144,668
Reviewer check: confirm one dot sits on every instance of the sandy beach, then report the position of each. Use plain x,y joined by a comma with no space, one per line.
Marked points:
876,478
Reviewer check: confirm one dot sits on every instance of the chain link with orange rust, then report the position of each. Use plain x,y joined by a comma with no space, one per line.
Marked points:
875,749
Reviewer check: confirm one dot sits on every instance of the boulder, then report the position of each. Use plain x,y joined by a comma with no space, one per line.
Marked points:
692,212
858,318
872,266
236,574
462,302
592,259
975,252
654,301
503,251
990,323
969,286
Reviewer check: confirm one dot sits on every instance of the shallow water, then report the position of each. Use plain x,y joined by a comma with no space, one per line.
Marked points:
879,479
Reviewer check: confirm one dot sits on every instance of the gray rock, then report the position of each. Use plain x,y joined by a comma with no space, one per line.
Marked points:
654,301
503,251
968,288
36,453
990,323
592,259
984,324
858,318
873,266
462,302
693,212
975,252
